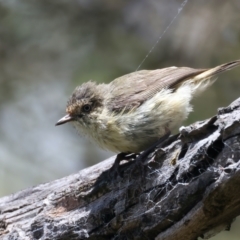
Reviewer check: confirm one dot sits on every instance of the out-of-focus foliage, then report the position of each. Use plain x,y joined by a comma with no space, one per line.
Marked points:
49,47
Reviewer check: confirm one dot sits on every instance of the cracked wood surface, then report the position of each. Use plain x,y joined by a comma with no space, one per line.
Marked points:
188,189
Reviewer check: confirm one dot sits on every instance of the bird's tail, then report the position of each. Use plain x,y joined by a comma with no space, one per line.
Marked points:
207,77
216,70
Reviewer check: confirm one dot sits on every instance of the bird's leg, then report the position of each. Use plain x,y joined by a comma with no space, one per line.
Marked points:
162,142
114,170
146,152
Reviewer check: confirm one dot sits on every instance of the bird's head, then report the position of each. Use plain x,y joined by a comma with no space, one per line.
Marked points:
83,105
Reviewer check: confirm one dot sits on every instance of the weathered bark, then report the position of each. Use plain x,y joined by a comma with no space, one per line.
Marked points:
185,190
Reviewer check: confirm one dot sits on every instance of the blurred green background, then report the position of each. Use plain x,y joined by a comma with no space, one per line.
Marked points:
47,48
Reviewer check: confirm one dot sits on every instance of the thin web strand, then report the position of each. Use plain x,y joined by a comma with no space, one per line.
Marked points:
160,37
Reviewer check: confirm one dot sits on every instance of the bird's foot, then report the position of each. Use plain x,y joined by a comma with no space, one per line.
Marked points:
114,171
161,143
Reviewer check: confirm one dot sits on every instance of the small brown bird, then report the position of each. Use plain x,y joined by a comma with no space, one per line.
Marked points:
133,111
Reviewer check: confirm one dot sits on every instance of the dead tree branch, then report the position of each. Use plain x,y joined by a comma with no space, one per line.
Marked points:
187,190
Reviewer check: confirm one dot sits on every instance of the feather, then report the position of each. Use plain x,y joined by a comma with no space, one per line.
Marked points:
132,90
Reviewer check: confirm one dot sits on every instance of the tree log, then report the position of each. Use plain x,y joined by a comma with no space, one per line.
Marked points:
188,189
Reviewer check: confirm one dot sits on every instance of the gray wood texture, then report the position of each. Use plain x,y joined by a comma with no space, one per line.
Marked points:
189,189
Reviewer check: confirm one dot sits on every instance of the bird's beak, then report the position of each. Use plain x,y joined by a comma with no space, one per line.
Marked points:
65,119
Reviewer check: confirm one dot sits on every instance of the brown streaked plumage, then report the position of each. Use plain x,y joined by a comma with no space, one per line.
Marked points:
143,84
135,110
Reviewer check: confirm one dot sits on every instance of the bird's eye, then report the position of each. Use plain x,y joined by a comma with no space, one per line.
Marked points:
86,108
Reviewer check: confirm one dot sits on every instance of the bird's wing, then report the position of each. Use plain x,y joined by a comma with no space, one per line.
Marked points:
131,90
